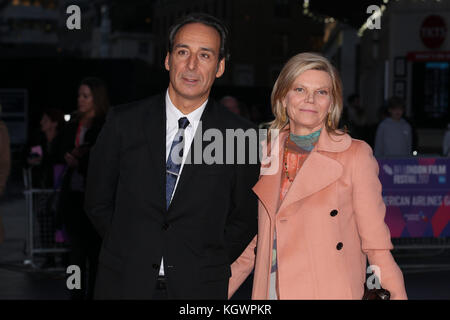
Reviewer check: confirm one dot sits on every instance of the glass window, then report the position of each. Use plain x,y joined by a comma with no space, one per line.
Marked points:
430,87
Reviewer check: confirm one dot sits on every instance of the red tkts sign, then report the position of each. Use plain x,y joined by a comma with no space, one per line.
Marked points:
433,31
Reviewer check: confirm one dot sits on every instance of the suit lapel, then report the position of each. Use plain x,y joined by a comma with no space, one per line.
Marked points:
208,120
154,124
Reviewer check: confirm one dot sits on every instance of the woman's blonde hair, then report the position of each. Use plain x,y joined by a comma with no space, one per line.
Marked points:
291,70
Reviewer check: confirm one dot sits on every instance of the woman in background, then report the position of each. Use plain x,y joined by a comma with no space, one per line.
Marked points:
43,155
80,135
5,166
44,149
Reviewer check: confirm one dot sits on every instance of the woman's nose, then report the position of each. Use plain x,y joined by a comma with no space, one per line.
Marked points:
310,97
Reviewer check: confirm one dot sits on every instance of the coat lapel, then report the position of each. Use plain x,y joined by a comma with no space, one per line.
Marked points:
154,124
208,120
318,171
268,186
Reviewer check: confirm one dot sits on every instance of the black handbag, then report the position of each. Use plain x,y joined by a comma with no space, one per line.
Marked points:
376,294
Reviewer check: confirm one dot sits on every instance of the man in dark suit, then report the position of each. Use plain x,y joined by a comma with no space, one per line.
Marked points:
172,225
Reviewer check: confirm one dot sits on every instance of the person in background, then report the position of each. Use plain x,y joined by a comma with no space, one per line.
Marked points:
446,143
79,137
394,134
354,117
44,151
43,155
231,103
5,166
321,215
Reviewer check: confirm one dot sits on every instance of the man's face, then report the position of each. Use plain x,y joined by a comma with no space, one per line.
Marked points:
396,113
193,64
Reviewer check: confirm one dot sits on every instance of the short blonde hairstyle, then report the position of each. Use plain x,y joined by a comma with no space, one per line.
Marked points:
291,70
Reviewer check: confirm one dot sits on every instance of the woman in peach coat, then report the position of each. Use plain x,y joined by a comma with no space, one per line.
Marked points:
321,213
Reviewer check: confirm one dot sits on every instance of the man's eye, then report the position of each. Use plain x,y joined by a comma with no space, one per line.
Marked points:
182,52
205,55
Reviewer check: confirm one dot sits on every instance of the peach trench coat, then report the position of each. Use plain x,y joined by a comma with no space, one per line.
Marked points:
330,221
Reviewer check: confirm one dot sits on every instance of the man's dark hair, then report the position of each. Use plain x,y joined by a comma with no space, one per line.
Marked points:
396,102
207,20
55,115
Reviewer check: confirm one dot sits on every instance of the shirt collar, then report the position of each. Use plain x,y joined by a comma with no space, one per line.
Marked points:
173,113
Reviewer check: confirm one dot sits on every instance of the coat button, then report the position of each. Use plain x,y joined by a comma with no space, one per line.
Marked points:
333,213
339,246
165,226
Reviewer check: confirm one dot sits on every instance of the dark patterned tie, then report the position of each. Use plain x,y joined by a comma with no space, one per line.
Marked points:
173,164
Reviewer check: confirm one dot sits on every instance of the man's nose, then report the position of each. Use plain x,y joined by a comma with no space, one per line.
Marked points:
192,62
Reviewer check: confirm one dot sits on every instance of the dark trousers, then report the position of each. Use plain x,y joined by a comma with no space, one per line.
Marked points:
85,244
160,291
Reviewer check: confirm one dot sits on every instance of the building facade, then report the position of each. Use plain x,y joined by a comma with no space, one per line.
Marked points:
406,54
263,34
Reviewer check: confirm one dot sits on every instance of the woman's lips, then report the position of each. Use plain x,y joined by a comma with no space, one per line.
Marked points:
308,110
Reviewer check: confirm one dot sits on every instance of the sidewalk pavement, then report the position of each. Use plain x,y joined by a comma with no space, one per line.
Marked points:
18,280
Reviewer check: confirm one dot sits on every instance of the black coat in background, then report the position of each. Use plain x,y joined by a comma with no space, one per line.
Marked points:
84,240
52,154
67,144
211,220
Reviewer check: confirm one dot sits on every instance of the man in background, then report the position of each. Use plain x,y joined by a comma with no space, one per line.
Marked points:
394,134
5,165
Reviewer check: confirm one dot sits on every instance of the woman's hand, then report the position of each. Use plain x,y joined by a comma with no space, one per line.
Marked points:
71,160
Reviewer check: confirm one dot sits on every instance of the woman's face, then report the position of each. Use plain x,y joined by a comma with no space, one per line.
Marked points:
308,101
47,123
85,100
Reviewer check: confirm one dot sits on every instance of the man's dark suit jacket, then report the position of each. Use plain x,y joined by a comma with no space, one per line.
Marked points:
210,221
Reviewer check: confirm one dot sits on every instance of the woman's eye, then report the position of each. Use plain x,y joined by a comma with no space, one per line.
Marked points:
323,92
299,89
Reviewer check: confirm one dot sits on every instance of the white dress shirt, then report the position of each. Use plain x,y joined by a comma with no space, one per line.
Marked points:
172,116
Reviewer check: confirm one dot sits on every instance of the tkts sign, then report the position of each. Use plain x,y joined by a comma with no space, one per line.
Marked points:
433,31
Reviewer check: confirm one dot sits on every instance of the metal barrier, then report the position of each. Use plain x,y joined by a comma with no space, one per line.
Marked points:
420,243
41,223
415,255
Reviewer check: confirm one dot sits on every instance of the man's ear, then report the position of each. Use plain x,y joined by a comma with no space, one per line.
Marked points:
166,61
220,68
